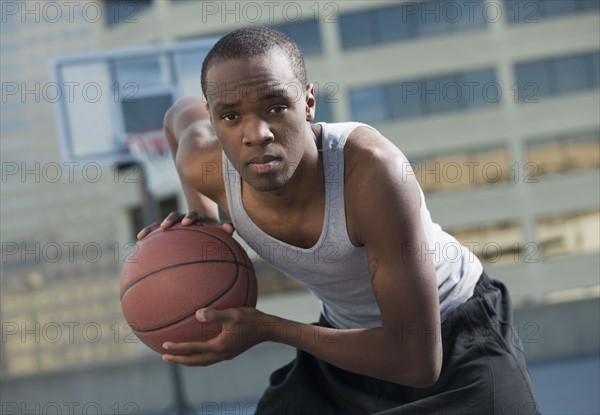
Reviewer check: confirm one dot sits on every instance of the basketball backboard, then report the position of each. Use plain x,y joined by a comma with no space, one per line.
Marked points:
110,95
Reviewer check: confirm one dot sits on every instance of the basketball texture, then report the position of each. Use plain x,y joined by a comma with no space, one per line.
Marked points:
174,272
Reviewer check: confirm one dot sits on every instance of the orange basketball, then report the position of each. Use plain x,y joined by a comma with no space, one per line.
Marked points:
174,272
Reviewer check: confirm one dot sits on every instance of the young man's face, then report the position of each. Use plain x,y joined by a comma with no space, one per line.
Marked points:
260,112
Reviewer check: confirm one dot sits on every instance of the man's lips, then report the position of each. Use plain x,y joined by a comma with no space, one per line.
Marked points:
263,164
262,159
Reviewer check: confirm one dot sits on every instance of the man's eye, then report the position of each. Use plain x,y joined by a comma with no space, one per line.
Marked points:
229,117
277,109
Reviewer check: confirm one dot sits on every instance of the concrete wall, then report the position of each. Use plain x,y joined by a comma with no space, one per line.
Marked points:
555,331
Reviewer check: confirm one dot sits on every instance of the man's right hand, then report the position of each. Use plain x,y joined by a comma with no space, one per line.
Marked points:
192,217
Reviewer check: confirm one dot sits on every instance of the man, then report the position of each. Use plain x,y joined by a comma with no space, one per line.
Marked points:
407,330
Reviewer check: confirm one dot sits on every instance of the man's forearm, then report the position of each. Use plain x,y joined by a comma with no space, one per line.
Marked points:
368,351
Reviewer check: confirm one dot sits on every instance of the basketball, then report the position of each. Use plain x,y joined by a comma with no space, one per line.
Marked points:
173,272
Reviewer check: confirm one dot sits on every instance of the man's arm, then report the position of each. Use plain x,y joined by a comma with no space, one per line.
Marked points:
194,148
193,143
196,201
385,216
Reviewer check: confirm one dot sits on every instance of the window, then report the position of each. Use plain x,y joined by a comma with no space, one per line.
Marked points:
189,66
405,99
398,22
569,234
491,166
568,152
117,11
494,244
557,75
307,34
145,92
464,15
594,68
533,80
324,111
547,156
589,4
570,74
424,96
462,170
357,30
394,24
432,20
143,114
453,171
530,11
557,7
583,151
442,94
368,104
480,88
142,72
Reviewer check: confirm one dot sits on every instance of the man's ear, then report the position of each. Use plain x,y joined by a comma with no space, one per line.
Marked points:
209,113
311,102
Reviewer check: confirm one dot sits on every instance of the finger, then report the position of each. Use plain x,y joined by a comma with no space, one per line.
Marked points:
191,348
211,315
145,231
171,219
228,228
191,218
193,359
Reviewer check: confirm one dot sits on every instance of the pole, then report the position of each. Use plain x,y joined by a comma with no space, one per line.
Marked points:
149,216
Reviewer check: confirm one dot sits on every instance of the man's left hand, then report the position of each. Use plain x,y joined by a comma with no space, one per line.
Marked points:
242,329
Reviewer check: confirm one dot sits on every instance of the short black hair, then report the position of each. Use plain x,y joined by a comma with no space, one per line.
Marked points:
254,41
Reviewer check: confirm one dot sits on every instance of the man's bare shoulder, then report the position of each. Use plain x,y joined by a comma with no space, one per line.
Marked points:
371,160
188,124
185,112
198,142
367,148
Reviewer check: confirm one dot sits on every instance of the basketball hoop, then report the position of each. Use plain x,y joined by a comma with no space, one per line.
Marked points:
150,148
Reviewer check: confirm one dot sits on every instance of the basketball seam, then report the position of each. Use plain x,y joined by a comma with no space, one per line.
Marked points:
181,264
247,289
242,250
225,291
187,315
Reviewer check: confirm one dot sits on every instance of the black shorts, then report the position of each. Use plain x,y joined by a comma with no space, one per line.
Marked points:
483,372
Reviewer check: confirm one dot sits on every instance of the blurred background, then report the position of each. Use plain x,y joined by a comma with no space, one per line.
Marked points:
495,102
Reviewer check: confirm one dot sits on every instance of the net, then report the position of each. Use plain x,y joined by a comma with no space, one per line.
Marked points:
151,150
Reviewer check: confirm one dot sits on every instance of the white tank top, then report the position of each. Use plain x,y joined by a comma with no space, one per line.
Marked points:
335,270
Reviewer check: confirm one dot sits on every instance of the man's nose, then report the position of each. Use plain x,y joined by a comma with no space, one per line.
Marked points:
257,132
